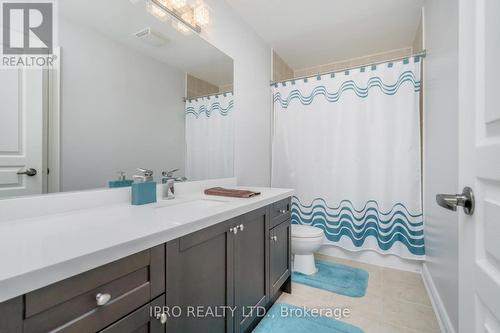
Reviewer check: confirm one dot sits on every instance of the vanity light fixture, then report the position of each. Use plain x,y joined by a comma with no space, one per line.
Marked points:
185,17
178,4
182,27
201,14
156,11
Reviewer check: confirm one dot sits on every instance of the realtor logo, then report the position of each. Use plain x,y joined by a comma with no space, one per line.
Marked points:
27,28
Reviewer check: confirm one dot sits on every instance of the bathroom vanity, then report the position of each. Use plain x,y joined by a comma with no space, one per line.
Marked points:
194,256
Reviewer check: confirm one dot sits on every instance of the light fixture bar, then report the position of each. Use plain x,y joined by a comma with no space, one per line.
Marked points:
177,16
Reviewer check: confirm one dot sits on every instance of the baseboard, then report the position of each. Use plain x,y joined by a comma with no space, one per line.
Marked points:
439,309
373,258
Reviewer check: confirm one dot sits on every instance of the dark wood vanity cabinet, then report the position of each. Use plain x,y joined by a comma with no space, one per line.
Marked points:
233,265
216,280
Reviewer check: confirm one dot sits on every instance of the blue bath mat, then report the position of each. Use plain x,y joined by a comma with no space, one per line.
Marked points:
340,279
286,318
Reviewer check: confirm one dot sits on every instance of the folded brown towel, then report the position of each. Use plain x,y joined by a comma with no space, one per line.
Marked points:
226,192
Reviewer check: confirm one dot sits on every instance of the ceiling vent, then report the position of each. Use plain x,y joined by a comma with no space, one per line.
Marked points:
152,37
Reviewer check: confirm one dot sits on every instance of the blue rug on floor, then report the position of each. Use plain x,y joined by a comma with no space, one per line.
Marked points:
286,318
340,279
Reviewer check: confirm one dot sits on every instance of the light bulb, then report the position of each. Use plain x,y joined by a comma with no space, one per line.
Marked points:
201,14
166,3
188,17
178,4
156,11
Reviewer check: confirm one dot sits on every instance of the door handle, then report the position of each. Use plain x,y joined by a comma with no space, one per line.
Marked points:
29,172
452,201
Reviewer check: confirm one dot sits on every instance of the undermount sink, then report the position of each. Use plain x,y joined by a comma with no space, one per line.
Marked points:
189,203
178,209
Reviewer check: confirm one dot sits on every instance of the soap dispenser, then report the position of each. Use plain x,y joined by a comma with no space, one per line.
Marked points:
143,188
122,181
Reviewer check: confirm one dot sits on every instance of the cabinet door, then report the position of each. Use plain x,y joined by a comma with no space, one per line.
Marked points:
142,320
280,256
251,266
11,315
199,276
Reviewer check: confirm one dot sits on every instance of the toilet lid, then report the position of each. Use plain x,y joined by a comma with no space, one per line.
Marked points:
306,231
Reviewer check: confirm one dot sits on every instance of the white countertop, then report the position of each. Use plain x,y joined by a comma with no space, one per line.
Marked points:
38,251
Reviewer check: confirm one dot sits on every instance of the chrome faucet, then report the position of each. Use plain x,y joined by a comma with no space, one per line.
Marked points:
169,179
169,190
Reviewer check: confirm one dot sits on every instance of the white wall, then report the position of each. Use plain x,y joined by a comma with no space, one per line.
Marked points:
441,149
120,110
252,74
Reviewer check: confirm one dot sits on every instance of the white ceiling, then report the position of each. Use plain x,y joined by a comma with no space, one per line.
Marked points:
308,33
120,19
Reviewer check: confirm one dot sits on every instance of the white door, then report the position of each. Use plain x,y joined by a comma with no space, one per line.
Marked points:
21,131
479,109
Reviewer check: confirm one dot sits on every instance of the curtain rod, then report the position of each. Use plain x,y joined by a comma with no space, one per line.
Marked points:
420,54
185,99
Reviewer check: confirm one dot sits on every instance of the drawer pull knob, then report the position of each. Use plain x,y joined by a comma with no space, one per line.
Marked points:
241,226
274,238
234,230
283,211
102,299
162,317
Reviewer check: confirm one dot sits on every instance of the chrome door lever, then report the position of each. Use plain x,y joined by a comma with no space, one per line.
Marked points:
452,201
29,172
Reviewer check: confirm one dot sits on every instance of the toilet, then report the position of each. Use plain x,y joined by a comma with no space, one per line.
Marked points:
305,241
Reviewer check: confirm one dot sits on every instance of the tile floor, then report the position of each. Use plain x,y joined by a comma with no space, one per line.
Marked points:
395,301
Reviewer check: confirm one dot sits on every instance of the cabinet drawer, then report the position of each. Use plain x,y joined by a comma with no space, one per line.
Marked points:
71,306
280,211
140,320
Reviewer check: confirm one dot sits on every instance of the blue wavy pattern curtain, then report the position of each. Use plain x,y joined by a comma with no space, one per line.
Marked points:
349,143
210,137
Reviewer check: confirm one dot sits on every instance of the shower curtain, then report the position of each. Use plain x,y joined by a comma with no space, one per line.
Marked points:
349,143
209,137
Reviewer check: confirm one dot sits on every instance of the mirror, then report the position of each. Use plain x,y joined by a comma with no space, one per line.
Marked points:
130,88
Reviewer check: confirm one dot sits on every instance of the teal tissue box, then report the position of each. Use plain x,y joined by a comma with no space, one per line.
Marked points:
120,183
143,193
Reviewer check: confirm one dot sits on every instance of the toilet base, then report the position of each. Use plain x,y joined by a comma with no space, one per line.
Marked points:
304,263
